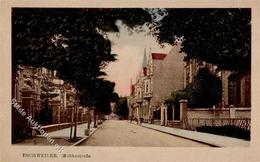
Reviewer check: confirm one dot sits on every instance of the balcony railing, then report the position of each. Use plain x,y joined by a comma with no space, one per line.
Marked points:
148,95
138,100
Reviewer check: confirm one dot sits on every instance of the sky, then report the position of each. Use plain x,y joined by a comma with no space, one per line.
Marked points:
130,50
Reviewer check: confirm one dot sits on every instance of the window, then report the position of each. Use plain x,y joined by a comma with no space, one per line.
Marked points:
147,86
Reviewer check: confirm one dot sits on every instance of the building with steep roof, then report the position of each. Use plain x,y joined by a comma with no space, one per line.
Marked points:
160,75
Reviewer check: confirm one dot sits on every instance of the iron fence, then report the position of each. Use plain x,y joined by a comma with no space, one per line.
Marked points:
243,123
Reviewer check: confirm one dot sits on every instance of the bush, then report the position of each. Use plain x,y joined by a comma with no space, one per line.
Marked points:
204,91
45,115
227,130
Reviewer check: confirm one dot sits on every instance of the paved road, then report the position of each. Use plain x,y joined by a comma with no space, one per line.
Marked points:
122,133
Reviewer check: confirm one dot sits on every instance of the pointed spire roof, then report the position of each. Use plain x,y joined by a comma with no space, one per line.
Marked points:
144,59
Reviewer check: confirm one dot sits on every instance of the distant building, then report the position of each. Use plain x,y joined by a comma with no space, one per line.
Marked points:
113,114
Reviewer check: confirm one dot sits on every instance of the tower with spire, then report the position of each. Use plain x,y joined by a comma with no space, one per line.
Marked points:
145,63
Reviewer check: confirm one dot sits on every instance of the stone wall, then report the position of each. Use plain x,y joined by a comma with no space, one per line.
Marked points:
207,113
243,113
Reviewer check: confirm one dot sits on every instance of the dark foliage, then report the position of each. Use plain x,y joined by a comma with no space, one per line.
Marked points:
45,115
218,36
99,94
122,108
228,130
204,91
115,97
72,42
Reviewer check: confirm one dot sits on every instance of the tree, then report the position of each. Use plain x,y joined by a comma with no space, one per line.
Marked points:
99,95
218,36
122,108
72,42
41,35
47,93
45,114
204,91
115,97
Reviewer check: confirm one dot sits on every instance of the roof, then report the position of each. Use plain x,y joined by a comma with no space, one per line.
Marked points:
158,56
144,59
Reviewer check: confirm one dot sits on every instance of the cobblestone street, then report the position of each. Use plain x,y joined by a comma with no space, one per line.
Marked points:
123,133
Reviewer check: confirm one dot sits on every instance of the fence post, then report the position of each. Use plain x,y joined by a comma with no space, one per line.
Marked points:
165,115
162,115
173,112
183,112
232,112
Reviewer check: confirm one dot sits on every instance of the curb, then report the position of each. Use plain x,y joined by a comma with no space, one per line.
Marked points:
209,144
86,137
226,141
213,145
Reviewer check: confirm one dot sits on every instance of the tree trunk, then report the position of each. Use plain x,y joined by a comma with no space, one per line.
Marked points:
75,116
95,119
72,119
89,118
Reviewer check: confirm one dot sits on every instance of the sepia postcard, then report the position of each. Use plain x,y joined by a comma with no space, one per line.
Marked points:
129,81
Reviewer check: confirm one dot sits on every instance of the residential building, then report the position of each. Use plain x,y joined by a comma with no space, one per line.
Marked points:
32,88
236,86
161,74
26,89
191,68
236,89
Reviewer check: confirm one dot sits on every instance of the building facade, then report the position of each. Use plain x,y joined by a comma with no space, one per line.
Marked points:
236,86
35,89
160,75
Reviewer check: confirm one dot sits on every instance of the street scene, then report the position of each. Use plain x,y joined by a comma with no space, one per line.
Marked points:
131,77
128,134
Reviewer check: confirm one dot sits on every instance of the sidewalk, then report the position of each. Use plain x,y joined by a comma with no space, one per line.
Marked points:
211,139
65,133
